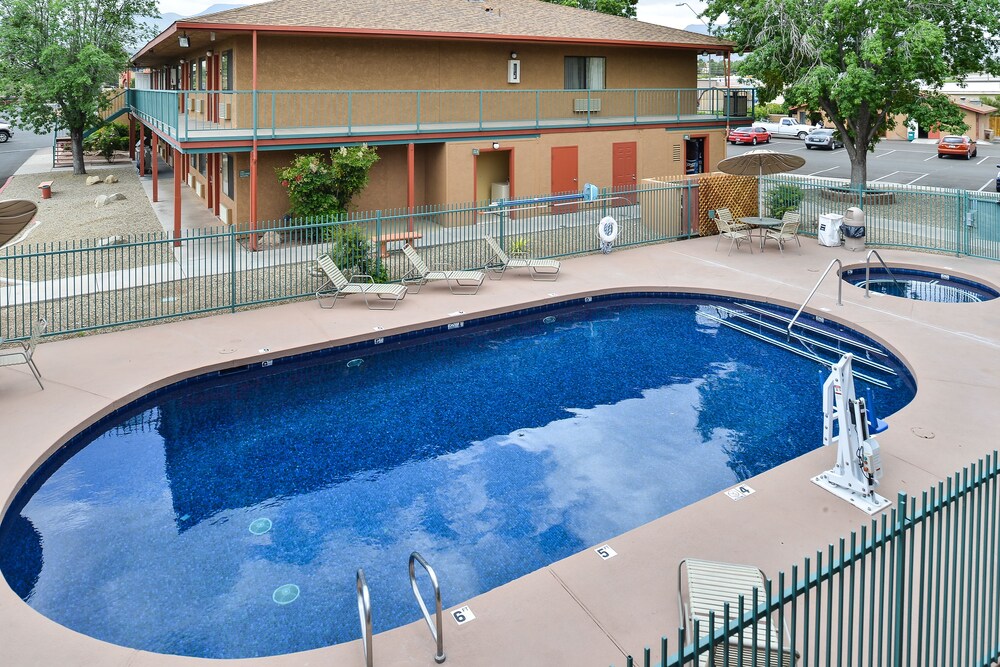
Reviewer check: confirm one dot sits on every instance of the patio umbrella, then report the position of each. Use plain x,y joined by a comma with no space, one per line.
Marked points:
758,163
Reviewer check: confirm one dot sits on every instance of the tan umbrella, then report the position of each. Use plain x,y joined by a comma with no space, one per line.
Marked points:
758,163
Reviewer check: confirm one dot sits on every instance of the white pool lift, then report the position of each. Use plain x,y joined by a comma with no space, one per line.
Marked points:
859,466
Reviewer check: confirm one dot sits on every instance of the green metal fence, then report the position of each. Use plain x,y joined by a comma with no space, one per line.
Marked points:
919,586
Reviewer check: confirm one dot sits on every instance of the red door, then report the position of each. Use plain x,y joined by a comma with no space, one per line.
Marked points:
623,172
564,176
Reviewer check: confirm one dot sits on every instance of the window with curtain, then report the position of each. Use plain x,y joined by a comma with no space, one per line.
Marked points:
226,64
227,175
202,163
582,73
202,74
193,80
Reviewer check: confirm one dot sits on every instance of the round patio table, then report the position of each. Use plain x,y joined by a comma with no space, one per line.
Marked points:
763,224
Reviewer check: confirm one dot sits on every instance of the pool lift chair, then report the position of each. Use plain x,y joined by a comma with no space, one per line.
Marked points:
710,586
459,282
859,465
338,287
500,261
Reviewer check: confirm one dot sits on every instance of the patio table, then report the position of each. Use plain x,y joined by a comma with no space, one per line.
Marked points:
763,224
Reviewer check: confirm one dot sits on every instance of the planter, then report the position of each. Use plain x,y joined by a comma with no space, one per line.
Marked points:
851,196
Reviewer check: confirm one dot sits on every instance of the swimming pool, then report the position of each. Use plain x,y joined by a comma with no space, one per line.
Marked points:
180,524
922,285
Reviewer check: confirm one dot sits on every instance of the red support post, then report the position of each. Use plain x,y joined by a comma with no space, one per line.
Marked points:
156,161
142,152
177,198
410,186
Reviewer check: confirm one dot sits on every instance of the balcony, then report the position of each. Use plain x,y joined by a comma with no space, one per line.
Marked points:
189,116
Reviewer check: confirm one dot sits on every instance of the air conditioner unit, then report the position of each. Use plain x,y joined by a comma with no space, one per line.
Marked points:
225,214
190,180
197,106
199,188
190,104
223,111
580,104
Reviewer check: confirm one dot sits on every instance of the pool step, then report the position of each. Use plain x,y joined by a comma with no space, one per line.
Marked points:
808,327
812,356
860,350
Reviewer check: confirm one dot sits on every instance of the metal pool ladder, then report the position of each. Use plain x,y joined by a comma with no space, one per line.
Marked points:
840,285
868,268
365,615
435,626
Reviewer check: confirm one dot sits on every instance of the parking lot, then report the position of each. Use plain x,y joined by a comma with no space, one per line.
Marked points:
896,161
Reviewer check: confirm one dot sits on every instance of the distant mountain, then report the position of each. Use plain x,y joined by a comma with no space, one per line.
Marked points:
166,19
699,28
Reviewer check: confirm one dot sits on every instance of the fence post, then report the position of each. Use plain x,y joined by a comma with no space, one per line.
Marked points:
963,213
232,268
378,241
899,612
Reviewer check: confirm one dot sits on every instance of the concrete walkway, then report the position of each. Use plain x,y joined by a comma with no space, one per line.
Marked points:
582,610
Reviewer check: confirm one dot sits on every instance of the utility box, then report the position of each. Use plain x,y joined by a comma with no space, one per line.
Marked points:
828,231
854,229
499,191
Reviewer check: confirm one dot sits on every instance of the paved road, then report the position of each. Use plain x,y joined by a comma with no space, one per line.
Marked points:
21,146
897,162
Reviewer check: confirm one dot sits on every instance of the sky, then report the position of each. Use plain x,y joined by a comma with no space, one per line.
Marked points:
662,12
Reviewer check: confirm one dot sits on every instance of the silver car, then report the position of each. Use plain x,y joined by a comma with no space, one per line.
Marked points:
5,132
824,138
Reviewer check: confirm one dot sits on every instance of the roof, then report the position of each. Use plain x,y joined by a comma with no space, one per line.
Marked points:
977,108
530,19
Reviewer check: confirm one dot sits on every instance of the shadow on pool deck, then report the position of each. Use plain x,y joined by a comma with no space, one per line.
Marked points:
581,610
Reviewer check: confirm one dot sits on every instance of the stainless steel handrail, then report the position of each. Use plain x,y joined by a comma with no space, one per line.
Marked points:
365,616
436,628
840,289
868,268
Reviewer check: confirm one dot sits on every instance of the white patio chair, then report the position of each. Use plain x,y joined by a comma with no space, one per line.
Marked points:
500,261
24,352
459,282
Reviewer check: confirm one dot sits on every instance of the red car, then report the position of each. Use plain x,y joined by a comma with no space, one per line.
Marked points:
955,145
749,135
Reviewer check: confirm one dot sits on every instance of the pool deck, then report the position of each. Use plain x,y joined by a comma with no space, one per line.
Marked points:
581,610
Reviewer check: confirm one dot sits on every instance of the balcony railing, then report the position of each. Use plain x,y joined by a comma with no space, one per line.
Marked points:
282,114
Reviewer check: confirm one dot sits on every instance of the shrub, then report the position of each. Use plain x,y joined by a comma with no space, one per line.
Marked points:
353,251
106,140
783,198
318,188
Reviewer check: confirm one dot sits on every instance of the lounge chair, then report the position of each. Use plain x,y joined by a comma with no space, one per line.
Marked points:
15,214
789,230
459,282
709,586
25,352
736,235
500,261
338,286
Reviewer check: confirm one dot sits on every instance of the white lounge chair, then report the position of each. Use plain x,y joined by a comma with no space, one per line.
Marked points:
25,351
459,282
709,586
789,230
338,286
500,261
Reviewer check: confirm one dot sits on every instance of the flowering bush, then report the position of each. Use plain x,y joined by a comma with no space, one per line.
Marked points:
320,188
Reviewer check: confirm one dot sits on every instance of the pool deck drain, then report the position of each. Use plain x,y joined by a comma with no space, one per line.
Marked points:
583,610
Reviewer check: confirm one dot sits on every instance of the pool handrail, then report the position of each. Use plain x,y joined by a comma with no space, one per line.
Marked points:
840,301
868,267
365,616
436,627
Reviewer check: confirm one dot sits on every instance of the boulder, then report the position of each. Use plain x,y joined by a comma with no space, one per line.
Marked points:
111,240
118,196
93,180
111,178
103,200
270,240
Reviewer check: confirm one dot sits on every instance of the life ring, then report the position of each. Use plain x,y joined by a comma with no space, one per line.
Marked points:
607,229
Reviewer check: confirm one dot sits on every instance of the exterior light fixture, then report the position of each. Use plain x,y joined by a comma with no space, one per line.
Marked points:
513,55
184,41
209,53
496,145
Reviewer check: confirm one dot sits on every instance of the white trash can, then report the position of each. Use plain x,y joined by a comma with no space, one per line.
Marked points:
828,232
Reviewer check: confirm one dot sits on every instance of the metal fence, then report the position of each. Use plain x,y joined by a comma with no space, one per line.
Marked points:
918,587
85,285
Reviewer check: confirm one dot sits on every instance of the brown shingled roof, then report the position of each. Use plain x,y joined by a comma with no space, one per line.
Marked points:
516,18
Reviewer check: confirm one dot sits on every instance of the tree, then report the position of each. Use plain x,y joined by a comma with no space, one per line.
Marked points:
55,56
862,62
624,8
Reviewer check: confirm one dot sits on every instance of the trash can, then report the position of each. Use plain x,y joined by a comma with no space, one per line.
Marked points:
46,191
828,231
854,229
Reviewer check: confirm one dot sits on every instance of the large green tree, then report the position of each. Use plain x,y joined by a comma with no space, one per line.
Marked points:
862,62
624,8
55,56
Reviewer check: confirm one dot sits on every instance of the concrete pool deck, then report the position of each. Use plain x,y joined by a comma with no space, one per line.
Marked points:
581,610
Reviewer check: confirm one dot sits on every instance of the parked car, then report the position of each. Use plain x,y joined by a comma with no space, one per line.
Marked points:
786,127
824,138
955,145
5,132
749,135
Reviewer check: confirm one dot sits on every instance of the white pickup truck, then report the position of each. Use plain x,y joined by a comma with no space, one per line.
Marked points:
786,127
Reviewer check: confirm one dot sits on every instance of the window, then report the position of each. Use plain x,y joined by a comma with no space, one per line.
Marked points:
227,70
582,73
202,163
202,75
227,175
193,80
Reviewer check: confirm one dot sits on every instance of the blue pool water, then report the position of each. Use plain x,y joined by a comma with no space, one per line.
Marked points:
226,517
922,285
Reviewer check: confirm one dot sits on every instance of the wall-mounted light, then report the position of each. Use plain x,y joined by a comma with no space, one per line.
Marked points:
513,55
184,41
496,145
687,137
182,61
209,53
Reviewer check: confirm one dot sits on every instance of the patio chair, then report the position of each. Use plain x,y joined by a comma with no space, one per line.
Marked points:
500,261
789,230
25,352
338,287
459,282
736,235
709,586
726,215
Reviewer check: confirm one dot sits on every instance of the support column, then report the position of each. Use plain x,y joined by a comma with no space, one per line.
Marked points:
410,186
253,154
131,137
218,182
177,198
142,152
210,181
156,165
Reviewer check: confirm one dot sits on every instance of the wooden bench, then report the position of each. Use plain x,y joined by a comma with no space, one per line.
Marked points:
389,238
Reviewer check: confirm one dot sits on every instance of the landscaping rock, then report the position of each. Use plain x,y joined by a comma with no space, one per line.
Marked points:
111,178
93,180
103,200
111,240
270,240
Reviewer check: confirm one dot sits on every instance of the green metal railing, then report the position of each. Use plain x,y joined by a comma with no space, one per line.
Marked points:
185,115
918,587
